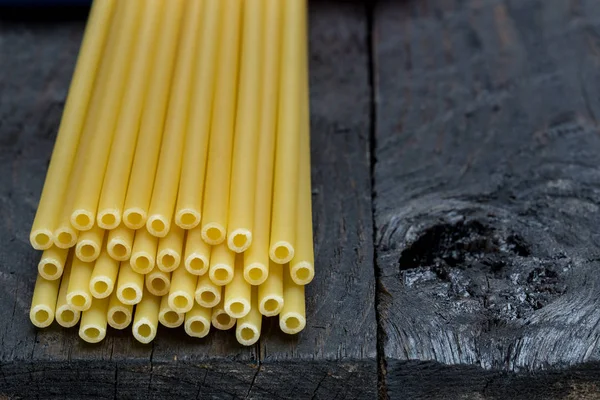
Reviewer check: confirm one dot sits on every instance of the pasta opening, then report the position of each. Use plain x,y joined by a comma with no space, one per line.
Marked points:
67,315
65,238
189,219
108,219
171,317
120,250
158,284
292,323
302,273
100,287
119,317
157,225
180,302
168,260
223,319
134,218
144,330
197,326
221,274
129,294
237,308
49,268
255,274
142,262
213,234
247,333
82,220
240,240
88,251
41,316
41,239
91,332
271,305
196,264
78,300
208,297
282,252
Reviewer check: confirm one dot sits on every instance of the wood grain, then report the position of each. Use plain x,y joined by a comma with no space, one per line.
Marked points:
486,193
334,356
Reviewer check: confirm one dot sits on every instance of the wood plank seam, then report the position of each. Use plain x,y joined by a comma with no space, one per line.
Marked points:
372,68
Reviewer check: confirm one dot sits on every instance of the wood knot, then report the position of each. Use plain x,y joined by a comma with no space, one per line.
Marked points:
471,262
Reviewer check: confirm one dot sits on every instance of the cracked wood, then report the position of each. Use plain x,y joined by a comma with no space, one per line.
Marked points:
486,195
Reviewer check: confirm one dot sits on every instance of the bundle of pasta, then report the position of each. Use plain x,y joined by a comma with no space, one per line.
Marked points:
179,188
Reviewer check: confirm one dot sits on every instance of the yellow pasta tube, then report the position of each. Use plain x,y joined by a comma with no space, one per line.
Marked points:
247,330
164,194
78,293
207,293
193,168
119,315
93,324
74,114
130,285
90,183
181,293
169,250
104,276
292,318
285,185
220,319
256,258
120,242
43,303
158,282
89,244
145,322
302,266
168,317
270,292
237,293
65,236
52,263
114,188
222,264
66,316
216,196
197,253
143,254
243,170
197,321
143,172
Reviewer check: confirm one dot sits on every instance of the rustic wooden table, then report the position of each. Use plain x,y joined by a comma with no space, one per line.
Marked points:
456,192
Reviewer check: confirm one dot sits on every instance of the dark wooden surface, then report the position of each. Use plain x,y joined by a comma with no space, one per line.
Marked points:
487,185
456,185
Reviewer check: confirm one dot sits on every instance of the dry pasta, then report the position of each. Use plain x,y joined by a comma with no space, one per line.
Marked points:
179,189
52,198
115,184
216,192
52,263
191,184
164,194
66,316
89,185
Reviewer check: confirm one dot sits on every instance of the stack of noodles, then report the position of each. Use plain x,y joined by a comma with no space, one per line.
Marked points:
179,187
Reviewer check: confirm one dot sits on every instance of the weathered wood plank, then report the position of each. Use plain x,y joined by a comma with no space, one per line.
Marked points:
487,187
334,356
